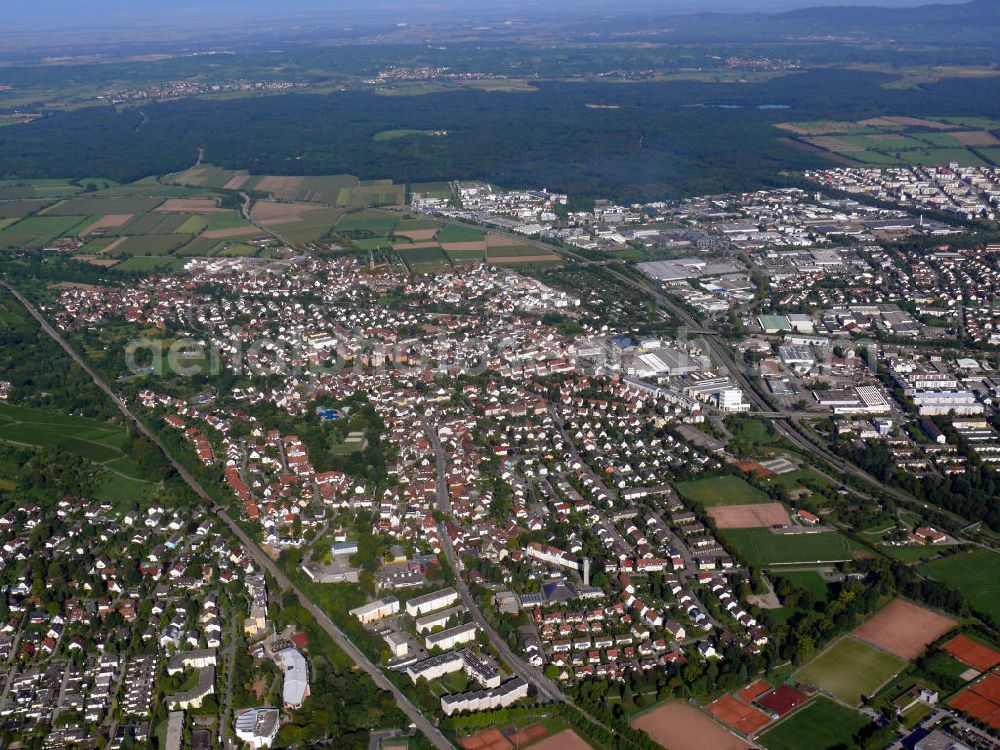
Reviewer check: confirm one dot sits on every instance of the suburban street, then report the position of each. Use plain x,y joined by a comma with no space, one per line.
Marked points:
544,686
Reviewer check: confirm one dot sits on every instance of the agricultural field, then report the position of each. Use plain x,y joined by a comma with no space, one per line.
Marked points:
432,189
820,724
975,574
850,669
51,188
187,215
372,223
312,226
206,175
453,233
761,547
725,490
36,231
150,187
417,229
424,259
146,220
334,190
316,189
383,193
16,209
100,205
99,441
149,244
510,254
884,141
992,154
148,264
471,256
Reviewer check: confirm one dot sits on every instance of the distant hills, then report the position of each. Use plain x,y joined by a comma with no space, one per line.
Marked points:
975,22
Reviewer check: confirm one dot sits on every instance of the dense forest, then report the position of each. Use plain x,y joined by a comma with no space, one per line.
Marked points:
662,140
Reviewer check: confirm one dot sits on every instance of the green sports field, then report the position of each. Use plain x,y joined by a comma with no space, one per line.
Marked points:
760,547
821,724
975,574
727,490
809,580
850,669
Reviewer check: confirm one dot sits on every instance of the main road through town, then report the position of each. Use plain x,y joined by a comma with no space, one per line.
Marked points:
546,688
262,560
543,685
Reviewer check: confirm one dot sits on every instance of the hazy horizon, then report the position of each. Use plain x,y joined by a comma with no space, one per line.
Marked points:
62,14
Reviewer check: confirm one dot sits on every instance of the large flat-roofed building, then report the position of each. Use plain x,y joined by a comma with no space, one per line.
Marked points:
939,403
296,686
377,610
774,323
873,400
436,666
421,605
842,401
663,361
502,696
452,637
427,623
478,668
257,726
687,268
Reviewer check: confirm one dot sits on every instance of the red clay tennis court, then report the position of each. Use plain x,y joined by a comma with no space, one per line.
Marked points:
976,655
741,717
753,691
783,700
981,701
490,739
528,734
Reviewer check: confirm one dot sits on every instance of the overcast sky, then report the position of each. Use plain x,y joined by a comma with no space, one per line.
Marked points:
40,14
